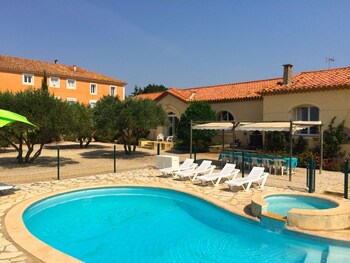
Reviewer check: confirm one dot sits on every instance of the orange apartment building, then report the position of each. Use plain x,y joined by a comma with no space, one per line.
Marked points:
69,83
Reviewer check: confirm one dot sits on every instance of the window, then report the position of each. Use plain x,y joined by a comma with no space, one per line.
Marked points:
225,116
307,113
174,121
71,84
93,88
92,103
112,92
28,79
71,100
54,82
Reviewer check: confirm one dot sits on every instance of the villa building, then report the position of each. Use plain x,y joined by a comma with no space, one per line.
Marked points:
307,96
69,83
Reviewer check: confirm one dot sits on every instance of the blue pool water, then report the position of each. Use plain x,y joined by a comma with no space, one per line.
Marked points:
281,204
137,224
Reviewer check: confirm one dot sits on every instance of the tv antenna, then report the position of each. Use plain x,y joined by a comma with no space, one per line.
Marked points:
329,60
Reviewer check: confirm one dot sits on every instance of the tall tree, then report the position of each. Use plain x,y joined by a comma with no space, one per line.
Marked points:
44,85
196,111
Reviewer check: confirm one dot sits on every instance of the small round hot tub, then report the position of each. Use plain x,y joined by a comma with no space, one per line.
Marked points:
304,211
282,203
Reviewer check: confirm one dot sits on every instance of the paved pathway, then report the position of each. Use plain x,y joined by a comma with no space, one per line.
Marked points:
238,200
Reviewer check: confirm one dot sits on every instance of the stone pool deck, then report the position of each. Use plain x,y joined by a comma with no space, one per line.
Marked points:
237,201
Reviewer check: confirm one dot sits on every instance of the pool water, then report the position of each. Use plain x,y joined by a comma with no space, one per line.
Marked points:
138,224
281,204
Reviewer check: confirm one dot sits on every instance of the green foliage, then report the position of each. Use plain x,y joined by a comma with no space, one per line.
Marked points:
277,141
105,115
150,88
333,137
196,111
81,123
129,120
135,120
300,145
51,117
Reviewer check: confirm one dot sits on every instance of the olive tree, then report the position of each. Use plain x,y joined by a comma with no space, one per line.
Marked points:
81,124
130,120
49,115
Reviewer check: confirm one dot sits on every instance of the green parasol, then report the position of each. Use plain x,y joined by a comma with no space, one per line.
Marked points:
8,117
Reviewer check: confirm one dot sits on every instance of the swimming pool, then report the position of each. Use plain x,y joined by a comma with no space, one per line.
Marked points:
140,224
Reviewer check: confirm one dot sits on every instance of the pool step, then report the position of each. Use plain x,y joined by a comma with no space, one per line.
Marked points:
273,222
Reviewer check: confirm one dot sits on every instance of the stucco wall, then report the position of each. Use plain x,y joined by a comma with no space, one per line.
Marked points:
330,104
13,82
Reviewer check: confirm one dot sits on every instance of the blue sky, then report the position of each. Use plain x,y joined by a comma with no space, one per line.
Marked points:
183,43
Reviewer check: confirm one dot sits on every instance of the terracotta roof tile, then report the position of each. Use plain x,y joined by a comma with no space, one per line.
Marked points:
330,79
151,96
218,93
303,82
37,67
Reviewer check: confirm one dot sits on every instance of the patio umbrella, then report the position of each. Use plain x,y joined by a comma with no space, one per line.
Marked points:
8,117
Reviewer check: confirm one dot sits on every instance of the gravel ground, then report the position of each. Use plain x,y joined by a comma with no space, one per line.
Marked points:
98,159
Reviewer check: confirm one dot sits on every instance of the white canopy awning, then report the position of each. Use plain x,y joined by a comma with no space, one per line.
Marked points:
278,126
258,126
227,126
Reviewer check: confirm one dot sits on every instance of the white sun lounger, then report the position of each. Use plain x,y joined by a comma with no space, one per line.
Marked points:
186,165
204,168
4,187
228,172
256,175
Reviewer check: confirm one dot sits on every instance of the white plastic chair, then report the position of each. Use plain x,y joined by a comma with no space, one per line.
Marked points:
228,172
267,163
160,137
204,168
257,175
279,164
170,138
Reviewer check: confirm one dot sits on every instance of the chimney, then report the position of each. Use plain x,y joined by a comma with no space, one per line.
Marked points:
74,67
287,74
192,95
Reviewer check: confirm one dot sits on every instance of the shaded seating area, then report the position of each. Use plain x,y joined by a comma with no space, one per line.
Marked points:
291,126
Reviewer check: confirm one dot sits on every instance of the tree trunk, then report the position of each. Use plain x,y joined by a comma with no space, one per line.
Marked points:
29,152
80,139
88,142
37,154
